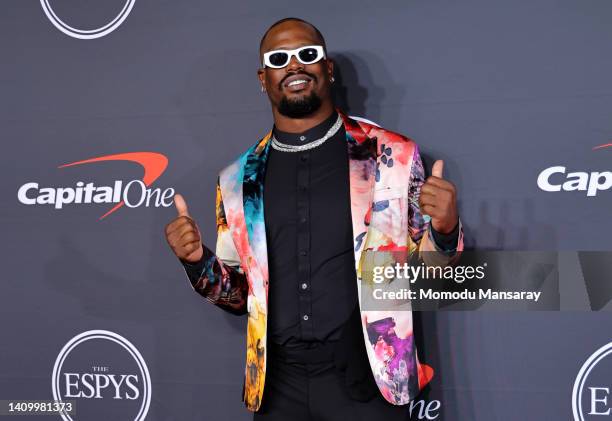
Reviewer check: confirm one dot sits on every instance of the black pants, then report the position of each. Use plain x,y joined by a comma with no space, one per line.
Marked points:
317,392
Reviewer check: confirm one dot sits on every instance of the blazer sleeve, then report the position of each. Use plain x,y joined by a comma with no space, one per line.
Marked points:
218,276
420,229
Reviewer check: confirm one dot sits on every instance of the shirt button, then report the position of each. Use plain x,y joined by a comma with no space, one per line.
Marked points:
304,158
304,285
305,317
303,253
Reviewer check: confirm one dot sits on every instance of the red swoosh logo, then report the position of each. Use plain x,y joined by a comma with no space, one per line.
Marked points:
607,145
424,374
154,164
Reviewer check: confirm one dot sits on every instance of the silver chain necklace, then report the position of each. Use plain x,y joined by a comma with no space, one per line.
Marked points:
283,147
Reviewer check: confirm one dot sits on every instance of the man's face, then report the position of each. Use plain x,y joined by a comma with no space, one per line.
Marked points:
302,99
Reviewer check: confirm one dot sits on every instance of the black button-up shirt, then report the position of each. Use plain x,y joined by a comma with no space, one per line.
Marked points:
311,262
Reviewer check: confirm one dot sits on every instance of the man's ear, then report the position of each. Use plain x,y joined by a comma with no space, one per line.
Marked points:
330,68
261,77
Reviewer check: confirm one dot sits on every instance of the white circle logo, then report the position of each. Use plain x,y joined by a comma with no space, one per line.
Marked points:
100,379
598,400
91,33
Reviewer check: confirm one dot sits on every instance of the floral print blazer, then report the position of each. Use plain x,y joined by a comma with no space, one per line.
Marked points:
386,174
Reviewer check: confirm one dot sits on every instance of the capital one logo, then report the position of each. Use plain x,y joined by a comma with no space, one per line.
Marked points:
87,33
591,395
103,373
555,179
133,194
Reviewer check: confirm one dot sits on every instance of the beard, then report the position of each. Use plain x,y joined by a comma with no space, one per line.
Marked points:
301,107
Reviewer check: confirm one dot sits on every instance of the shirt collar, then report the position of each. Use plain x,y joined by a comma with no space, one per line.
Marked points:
307,136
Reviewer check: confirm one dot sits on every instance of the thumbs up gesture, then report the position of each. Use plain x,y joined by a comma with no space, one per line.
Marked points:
438,200
183,235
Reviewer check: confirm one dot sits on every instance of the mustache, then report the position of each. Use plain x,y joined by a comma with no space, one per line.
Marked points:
313,77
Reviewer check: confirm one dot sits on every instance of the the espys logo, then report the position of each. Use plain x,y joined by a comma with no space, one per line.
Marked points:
132,194
104,374
591,392
555,179
87,33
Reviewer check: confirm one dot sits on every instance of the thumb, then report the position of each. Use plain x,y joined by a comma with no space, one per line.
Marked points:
181,205
437,168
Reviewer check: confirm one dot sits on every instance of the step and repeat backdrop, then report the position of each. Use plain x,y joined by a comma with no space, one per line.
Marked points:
109,108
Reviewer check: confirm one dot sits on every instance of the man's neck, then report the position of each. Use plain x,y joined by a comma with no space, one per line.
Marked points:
299,125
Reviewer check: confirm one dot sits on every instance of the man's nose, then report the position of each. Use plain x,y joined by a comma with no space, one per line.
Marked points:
294,64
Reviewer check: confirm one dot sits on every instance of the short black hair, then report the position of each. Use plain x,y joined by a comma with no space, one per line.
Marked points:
278,22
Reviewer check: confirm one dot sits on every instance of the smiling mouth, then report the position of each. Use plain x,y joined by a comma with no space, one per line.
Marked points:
297,83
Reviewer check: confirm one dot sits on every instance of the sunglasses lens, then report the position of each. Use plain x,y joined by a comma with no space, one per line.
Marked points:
278,59
308,55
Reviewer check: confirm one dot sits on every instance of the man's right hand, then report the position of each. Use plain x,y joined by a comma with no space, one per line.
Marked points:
183,234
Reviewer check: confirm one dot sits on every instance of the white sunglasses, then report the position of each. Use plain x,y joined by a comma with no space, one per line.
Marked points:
309,54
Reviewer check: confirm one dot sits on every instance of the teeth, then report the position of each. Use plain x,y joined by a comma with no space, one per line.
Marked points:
296,82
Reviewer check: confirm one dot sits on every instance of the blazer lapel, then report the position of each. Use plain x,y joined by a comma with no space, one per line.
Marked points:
252,199
362,174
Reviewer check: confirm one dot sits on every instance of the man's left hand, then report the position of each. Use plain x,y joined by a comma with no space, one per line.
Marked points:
438,200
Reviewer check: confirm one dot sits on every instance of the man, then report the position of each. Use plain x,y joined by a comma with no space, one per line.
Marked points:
294,214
